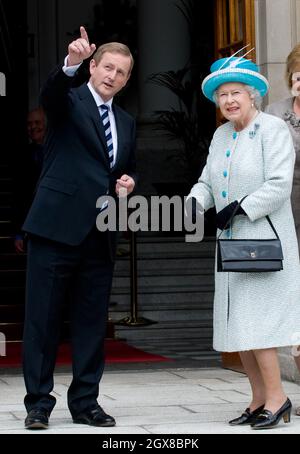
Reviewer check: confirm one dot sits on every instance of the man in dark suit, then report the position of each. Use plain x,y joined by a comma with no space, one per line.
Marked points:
89,152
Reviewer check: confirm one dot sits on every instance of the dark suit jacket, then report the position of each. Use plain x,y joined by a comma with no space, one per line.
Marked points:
76,170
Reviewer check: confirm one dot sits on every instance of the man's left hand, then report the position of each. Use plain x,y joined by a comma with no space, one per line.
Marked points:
125,183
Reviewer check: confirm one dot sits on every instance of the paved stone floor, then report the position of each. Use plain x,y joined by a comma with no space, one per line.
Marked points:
149,399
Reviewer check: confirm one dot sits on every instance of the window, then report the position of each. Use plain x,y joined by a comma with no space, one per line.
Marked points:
235,26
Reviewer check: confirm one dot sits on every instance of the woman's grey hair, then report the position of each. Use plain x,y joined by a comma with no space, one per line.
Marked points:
253,92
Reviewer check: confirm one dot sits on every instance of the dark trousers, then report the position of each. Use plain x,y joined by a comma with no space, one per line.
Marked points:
53,271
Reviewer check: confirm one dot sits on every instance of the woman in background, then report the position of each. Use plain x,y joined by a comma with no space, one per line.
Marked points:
289,110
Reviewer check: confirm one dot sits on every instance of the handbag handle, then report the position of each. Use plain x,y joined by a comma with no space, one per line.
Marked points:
234,213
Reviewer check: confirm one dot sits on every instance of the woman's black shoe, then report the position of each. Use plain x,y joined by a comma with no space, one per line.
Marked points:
248,417
267,420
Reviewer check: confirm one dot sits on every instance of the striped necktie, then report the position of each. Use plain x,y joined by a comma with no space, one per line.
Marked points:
109,141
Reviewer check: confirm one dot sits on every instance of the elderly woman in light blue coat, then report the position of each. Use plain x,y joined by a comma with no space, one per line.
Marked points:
252,155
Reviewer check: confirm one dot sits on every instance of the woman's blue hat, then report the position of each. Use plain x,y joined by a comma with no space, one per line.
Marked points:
234,69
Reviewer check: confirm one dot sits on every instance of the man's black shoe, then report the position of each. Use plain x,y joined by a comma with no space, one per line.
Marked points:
95,417
37,419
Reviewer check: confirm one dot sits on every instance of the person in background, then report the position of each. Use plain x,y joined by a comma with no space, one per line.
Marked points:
252,156
27,172
289,110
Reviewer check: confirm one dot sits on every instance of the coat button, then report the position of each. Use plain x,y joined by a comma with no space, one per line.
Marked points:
224,194
228,153
234,135
225,173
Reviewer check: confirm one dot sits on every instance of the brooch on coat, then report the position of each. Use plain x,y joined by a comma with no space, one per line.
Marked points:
252,134
291,117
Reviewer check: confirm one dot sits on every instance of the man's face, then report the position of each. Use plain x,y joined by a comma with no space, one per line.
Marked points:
36,126
110,75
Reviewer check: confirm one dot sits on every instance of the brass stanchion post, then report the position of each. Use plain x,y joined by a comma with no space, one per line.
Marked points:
134,319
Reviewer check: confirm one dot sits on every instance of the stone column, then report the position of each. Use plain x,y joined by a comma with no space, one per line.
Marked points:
277,31
42,30
163,43
53,24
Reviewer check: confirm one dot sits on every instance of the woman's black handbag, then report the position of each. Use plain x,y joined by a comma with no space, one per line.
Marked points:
249,256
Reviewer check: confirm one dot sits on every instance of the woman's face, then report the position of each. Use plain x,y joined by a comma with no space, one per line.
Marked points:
235,103
295,89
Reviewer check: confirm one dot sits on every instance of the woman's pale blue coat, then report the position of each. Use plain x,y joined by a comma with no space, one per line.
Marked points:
254,310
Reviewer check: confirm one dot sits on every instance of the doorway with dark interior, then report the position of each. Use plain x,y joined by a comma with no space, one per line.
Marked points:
40,42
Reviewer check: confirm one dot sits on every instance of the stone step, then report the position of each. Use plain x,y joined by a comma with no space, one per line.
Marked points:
164,272
174,314
183,307
181,348
13,261
6,244
197,329
145,267
5,212
175,251
16,315
12,313
12,294
174,329
12,277
184,311
168,268
165,289
181,345
16,295
162,237
174,254
166,264
5,198
170,249
6,185
165,300
4,170
121,284
14,331
5,228
157,282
